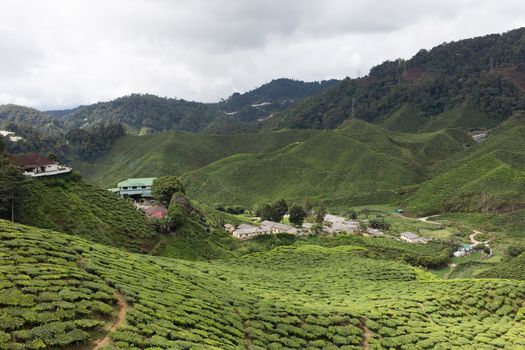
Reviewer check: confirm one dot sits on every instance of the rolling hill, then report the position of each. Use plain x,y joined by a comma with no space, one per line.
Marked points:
489,176
356,164
175,153
60,291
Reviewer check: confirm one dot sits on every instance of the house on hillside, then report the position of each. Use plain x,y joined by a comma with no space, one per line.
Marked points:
245,231
156,212
339,224
139,187
411,237
35,165
11,136
229,228
277,227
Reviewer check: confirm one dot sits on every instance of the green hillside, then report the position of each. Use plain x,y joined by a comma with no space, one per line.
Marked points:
472,83
355,164
59,292
67,204
175,153
488,176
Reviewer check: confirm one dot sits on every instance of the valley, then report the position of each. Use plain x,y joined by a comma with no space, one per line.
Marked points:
385,211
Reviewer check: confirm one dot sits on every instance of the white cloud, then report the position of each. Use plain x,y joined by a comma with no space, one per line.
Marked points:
60,53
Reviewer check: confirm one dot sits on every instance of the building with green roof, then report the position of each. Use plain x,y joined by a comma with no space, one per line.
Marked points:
140,187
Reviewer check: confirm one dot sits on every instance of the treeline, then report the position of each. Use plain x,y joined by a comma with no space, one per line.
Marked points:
89,144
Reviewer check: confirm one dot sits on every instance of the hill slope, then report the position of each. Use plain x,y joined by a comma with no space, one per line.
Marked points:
473,83
64,203
175,153
356,164
272,300
489,176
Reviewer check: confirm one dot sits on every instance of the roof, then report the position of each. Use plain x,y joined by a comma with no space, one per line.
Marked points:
284,227
333,218
144,181
245,226
156,210
31,159
409,235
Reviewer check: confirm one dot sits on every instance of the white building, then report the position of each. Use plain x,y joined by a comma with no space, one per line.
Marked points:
411,237
35,165
339,224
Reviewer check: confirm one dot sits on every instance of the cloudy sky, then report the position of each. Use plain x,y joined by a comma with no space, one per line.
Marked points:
61,53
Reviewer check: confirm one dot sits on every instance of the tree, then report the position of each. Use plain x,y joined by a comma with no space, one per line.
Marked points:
13,187
281,207
264,211
164,187
297,214
319,215
379,223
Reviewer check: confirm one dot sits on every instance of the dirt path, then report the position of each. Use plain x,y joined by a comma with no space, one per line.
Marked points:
367,333
121,317
426,219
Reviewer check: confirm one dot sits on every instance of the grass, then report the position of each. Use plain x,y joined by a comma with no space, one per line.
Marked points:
292,297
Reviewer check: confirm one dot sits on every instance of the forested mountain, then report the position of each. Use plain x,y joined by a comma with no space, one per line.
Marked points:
29,117
473,83
144,113
277,95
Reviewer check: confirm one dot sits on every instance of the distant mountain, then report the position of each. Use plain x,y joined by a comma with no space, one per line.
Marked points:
29,117
149,113
145,113
277,95
473,83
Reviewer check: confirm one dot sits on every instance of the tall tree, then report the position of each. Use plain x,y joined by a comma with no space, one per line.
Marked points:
13,187
297,214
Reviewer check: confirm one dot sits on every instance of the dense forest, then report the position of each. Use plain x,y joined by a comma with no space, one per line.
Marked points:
471,83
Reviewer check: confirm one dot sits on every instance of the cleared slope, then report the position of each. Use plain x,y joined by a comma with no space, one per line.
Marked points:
356,159
488,176
174,153
289,298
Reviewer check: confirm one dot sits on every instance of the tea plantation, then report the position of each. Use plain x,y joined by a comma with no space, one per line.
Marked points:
57,293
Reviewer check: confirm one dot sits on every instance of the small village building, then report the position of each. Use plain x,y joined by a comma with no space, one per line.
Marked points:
35,165
249,232
411,237
277,227
339,224
374,232
11,136
139,187
156,212
229,228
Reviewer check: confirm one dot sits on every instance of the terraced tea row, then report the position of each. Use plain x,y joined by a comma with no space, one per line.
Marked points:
299,297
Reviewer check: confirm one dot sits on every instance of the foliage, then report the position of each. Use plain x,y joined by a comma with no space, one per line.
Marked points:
90,144
297,214
13,189
483,75
379,222
164,187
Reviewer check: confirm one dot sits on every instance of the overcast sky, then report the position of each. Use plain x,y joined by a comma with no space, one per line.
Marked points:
62,53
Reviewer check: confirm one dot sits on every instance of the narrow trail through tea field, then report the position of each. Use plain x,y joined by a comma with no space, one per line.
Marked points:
367,333
121,317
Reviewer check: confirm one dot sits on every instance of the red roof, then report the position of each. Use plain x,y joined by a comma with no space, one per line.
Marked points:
156,211
31,160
